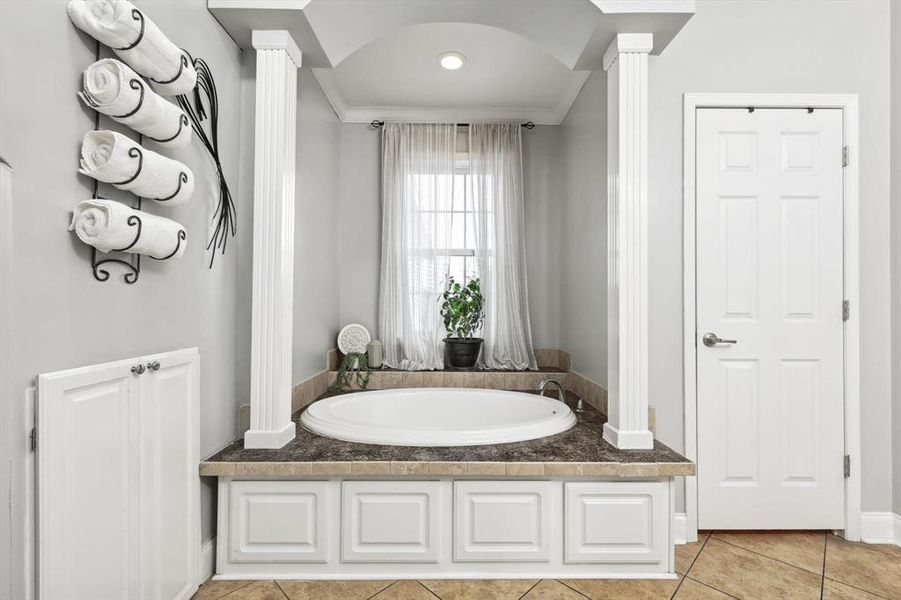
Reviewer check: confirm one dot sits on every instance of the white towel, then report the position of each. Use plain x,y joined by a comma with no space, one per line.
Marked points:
110,87
136,40
113,158
111,226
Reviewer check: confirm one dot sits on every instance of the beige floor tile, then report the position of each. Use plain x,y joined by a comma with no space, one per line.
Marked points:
687,553
803,549
624,589
258,590
332,590
887,549
862,567
833,590
213,590
693,590
745,574
405,590
483,589
548,589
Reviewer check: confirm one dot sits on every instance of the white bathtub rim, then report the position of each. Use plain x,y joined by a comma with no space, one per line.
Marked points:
520,431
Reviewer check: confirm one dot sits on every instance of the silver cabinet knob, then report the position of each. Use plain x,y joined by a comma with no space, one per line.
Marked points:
711,340
137,369
154,366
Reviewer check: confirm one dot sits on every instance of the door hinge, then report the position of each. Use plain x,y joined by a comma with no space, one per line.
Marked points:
846,310
845,156
847,465
33,436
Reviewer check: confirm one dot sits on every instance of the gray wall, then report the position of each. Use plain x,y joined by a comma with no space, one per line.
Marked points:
743,46
583,251
316,268
359,244
896,252
63,318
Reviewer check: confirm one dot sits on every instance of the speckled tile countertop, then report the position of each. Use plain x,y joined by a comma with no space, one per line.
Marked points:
580,451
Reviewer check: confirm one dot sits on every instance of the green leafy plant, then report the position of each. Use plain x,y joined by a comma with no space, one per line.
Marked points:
462,307
354,369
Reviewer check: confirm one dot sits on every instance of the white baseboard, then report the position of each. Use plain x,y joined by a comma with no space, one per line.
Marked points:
680,528
880,528
207,559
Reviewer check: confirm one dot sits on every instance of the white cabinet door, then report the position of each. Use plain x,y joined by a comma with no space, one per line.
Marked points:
391,521
769,284
118,486
170,453
502,520
278,521
88,528
617,522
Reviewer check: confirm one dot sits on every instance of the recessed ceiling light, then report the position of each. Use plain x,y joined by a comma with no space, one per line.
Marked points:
451,60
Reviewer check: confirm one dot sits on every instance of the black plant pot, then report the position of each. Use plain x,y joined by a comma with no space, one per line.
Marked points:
463,352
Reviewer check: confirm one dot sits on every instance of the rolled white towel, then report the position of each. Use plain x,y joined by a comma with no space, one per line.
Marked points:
111,157
111,226
138,41
110,87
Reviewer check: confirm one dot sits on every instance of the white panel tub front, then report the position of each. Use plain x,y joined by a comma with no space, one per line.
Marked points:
279,521
391,521
506,521
617,522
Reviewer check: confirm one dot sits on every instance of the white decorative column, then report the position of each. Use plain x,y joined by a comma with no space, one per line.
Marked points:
278,59
626,63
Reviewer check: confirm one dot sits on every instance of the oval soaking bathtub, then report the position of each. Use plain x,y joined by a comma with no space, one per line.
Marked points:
437,417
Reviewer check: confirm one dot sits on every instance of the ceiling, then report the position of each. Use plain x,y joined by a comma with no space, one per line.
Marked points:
526,60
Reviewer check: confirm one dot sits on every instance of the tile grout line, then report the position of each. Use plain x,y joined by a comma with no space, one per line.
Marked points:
694,560
240,587
765,556
530,589
278,585
384,588
426,588
823,580
707,585
864,545
859,589
563,583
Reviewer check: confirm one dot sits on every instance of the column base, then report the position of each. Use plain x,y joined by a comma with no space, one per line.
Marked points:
270,438
628,440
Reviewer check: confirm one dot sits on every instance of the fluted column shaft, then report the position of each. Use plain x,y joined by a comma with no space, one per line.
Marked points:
275,141
626,63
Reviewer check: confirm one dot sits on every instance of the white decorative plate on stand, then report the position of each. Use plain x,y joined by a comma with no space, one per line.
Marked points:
353,339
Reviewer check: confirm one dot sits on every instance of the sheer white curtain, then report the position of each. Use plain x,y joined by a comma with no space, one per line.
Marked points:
417,196
494,187
448,209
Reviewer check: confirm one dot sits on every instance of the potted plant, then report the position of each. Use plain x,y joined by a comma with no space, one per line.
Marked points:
462,309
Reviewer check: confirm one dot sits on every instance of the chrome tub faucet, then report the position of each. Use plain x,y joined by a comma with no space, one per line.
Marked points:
561,393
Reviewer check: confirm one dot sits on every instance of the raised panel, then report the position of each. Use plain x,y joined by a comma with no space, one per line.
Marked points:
738,151
278,521
738,239
616,522
800,256
391,521
502,520
799,395
800,151
740,431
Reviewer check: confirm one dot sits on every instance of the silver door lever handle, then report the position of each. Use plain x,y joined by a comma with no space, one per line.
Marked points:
711,340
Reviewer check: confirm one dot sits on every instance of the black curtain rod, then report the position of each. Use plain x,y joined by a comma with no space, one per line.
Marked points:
378,124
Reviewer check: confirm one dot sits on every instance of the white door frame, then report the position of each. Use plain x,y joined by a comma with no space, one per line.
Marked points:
849,105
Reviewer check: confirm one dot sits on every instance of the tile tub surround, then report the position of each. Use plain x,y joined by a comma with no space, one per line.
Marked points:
579,452
553,359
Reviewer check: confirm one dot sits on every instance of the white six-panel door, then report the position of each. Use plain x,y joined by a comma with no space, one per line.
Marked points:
769,287
118,486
